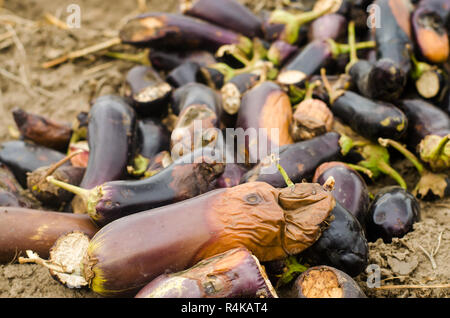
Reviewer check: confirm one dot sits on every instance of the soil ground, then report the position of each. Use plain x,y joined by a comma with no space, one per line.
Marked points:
27,40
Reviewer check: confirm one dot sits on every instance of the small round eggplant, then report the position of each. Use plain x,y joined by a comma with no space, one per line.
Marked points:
350,189
325,282
392,214
148,93
342,245
235,273
153,137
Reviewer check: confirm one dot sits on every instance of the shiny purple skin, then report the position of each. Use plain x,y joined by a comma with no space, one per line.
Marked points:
229,14
183,74
153,137
392,214
300,160
330,26
350,189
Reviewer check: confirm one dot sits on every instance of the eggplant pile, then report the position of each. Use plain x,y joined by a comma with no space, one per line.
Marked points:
236,160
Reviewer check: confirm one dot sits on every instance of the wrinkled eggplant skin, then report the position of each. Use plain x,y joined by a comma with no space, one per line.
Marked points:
424,119
350,189
300,160
153,137
371,119
194,93
229,14
343,244
392,214
330,26
111,137
183,74
167,61
178,182
22,157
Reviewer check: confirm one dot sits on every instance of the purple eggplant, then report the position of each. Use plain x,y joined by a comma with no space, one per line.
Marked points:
210,77
280,52
111,137
194,93
441,7
10,186
22,157
189,176
167,61
350,189
300,160
9,199
231,176
42,131
172,31
325,282
229,14
183,74
330,26
148,93
391,214
235,273
264,119
342,245
233,90
153,137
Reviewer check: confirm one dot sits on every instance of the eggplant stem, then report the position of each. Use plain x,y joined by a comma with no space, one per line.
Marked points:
419,68
84,193
310,89
283,172
34,258
331,93
58,164
293,268
387,169
139,58
352,44
361,169
440,147
405,152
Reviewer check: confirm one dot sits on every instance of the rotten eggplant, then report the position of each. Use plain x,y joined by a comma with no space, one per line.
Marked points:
234,89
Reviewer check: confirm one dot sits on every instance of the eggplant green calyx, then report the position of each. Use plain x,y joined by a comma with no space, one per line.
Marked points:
283,172
139,167
292,269
139,58
435,150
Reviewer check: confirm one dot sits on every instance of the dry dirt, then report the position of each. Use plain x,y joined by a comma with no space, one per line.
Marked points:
27,40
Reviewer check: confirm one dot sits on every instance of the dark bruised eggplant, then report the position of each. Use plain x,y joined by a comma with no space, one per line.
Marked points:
148,93
441,7
430,34
263,122
300,160
325,282
153,137
26,229
393,37
229,14
330,26
235,273
167,61
233,90
42,131
172,31
280,52
271,223
342,245
111,137
9,187
392,214
22,157
189,176
428,133
183,74
350,189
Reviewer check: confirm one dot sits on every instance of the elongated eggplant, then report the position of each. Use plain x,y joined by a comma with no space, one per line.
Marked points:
167,61
233,90
229,14
42,131
393,37
26,229
172,31
325,282
111,137
342,245
235,273
330,26
271,223
430,34
22,157
350,189
300,160
189,176
183,74
148,93
259,134
428,132
392,214
153,137
280,52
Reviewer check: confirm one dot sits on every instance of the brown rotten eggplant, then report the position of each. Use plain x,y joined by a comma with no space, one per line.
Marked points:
22,157
300,160
229,14
111,137
325,282
264,119
271,223
41,130
187,177
26,229
235,273
172,31
148,93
